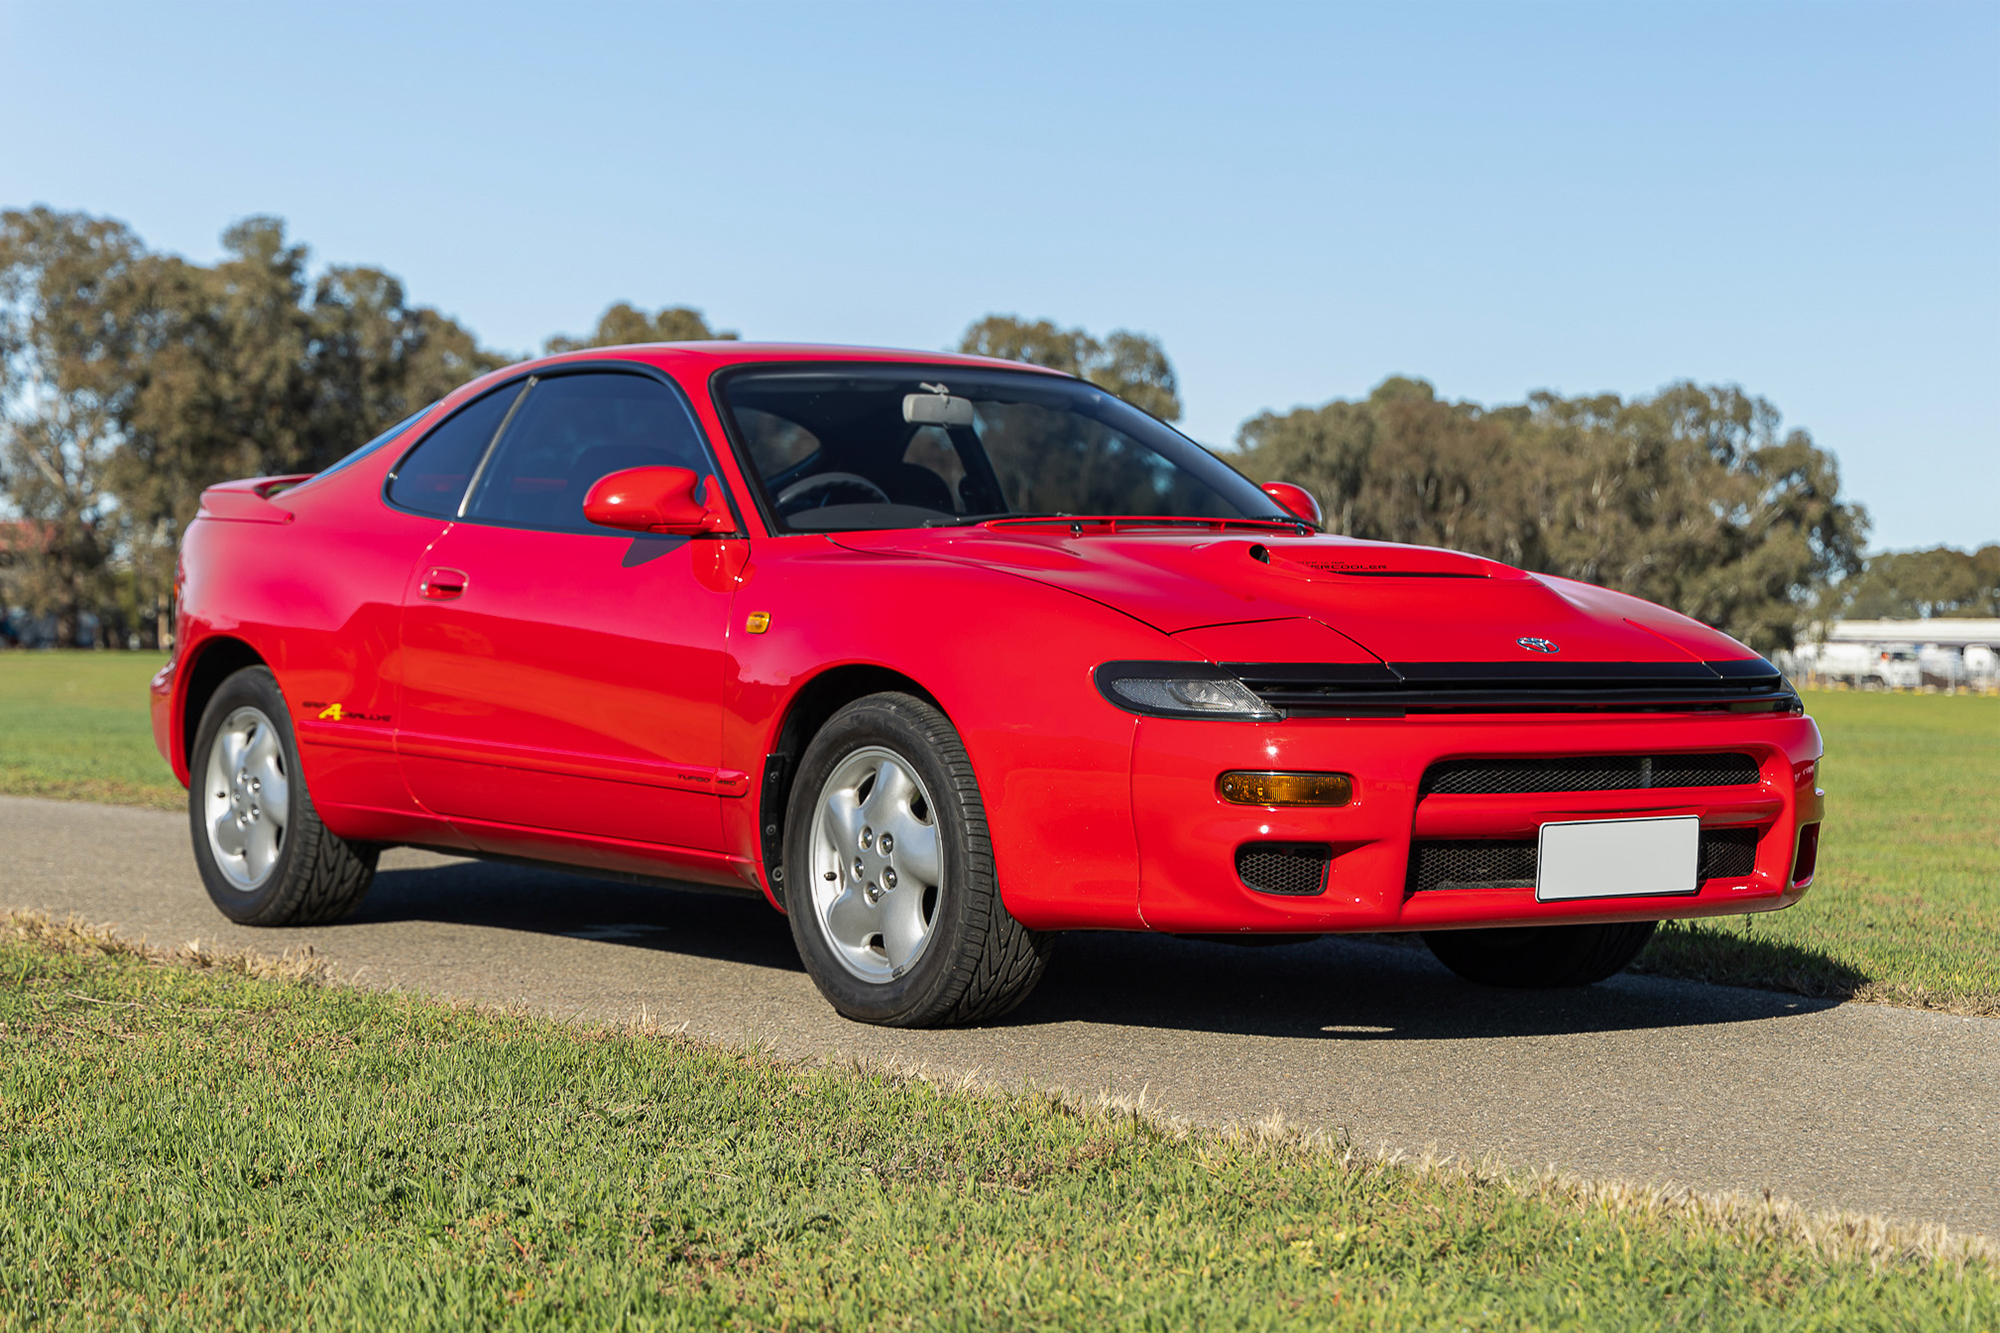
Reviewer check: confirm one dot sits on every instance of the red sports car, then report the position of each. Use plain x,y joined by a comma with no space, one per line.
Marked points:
944,655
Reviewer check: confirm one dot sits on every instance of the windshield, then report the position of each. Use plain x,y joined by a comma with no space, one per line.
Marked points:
924,446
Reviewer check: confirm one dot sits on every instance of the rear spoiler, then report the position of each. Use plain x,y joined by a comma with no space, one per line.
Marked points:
249,501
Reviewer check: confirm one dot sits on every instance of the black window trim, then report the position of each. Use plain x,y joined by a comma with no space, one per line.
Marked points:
718,381
486,454
518,384
377,444
522,383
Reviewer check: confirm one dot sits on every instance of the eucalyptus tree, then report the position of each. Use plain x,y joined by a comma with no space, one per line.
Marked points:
60,275
1694,497
1915,585
134,380
1133,366
624,323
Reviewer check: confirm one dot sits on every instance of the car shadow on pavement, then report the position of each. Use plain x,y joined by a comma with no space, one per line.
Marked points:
1356,990
1361,989
1720,949
728,927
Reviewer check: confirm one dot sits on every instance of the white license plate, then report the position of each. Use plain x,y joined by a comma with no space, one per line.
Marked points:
1618,858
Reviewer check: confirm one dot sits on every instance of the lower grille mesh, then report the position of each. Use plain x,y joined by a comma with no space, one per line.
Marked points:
1510,864
1472,865
1296,869
1728,853
1610,772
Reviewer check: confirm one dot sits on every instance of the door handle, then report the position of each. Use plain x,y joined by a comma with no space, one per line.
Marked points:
441,584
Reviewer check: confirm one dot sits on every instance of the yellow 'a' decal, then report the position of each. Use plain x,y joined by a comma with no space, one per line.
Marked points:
330,713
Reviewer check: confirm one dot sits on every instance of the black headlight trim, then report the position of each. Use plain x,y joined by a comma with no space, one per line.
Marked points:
1109,674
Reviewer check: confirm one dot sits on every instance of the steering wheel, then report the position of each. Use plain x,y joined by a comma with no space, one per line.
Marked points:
833,483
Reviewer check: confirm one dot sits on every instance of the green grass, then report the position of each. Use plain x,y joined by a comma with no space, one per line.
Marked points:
1906,909
1906,905
200,1147
75,726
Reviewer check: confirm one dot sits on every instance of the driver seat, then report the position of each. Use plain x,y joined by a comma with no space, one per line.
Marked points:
911,484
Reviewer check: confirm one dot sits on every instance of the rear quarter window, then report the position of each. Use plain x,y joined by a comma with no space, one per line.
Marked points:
432,478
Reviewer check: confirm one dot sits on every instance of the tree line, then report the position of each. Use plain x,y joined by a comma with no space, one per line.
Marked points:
1917,585
132,379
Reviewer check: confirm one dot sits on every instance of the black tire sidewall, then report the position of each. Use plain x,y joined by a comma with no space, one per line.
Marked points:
909,728
255,687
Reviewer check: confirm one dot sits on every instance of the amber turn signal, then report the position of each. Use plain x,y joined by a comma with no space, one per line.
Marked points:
1286,788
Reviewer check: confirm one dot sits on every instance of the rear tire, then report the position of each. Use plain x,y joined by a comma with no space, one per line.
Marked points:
911,934
1524,957
265,857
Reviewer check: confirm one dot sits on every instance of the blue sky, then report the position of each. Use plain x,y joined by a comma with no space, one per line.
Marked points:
1297,199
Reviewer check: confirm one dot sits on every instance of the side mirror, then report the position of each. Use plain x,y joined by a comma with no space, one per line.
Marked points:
1294,500
658,499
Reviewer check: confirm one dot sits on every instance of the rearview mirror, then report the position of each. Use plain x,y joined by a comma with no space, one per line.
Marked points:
658,499
936,409
1294,500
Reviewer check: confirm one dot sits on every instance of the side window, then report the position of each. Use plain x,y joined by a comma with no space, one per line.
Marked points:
433,477
574,429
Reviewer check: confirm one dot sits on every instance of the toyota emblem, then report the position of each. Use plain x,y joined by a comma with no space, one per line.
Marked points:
1539,645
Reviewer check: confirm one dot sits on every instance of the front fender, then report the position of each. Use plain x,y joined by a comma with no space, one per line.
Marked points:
1008,659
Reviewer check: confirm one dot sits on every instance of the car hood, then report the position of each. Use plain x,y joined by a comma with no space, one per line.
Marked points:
1247,596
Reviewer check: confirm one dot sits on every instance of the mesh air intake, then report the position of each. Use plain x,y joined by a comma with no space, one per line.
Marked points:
1294,869
1512,863
1614,772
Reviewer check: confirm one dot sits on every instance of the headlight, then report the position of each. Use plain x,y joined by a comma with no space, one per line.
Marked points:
1180,689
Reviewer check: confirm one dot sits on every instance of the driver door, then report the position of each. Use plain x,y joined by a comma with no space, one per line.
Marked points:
559,676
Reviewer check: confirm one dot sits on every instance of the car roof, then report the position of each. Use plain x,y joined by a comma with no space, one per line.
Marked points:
702,357
722,352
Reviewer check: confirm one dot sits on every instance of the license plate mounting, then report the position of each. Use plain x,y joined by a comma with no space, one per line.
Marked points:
1618,858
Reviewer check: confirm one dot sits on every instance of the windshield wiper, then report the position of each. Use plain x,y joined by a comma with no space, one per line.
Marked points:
1180,522
972,520
1116,524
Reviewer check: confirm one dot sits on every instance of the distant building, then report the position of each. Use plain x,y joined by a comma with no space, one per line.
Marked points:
1942,653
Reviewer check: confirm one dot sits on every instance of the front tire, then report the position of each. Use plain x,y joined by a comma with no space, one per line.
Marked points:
1527,957
265,857
889,878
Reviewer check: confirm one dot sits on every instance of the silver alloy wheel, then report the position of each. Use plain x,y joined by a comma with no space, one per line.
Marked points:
877,868
246,799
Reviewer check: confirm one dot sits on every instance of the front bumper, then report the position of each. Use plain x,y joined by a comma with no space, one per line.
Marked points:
1188,836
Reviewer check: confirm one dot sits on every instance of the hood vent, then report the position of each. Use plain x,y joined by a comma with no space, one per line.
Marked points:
1363,570
1361,560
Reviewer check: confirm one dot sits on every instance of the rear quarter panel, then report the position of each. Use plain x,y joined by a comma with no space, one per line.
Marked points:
318,599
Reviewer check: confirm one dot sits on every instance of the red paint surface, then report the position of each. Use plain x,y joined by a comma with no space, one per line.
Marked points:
596,699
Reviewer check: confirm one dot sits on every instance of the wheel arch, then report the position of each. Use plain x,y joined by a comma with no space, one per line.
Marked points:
216,659
811,706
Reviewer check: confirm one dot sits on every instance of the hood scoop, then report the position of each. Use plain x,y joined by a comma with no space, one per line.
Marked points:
1373,560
